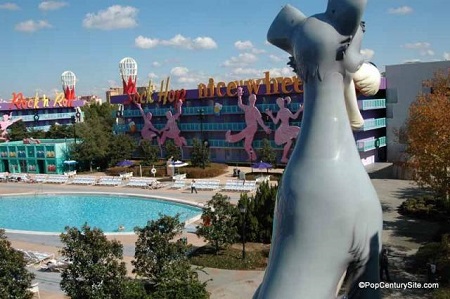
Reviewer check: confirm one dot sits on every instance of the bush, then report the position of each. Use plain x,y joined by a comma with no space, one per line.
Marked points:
424,207
440,254
146,170
274,176
425,254
213,170
441,293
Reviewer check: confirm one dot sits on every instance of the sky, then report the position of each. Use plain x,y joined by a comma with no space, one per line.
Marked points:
188,40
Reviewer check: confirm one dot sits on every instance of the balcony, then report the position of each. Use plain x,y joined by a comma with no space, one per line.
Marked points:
369,144
374,123
372,104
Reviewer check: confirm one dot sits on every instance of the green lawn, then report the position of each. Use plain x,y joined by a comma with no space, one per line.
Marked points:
231,258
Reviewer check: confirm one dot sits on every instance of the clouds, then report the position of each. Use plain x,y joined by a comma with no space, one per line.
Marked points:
51,5
402,10
184,77
368,54
446,55
241,60
114,17
243,45
31,26
248,56
178,41
179,71
424,48
9,6
145,43
248,47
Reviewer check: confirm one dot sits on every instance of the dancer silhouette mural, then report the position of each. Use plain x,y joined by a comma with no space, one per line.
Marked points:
253,118
4,124
285,134
328,219
171,129
149,131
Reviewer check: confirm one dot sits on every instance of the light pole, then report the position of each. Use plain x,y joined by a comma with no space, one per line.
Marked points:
201,116
251,159
243,210
73,124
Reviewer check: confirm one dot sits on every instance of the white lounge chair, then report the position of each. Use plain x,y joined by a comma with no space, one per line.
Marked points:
84,180
179,184
35,257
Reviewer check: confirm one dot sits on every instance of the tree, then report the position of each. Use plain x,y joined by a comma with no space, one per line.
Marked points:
150,153
219,217
121,147
94,144
105,112
95,134
199,154
428,136
60,131
164,262
172,150
14,277
267,153
96,270
18,131
260,210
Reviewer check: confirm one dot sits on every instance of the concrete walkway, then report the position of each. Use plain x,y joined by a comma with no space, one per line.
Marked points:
401,236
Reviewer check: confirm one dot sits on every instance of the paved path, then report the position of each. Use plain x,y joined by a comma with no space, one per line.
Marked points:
401,236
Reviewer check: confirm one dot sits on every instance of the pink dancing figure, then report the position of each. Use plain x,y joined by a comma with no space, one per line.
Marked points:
252,119
4,124
171,129
285,133
149,131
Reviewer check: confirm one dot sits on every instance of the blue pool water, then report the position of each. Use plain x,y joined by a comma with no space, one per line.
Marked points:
53,212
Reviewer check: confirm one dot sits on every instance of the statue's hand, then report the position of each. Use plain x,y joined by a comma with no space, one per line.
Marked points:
367,79
268,112
267,130
240,91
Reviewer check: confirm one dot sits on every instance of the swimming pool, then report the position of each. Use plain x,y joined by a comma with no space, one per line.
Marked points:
53,212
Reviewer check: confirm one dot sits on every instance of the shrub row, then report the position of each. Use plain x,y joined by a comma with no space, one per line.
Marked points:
424,207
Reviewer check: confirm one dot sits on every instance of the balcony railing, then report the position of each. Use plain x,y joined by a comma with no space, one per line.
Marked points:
207,110
374,123
369,144
372,104
47,116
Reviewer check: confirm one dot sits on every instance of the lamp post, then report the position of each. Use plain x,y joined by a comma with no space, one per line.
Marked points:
243,210
201,116
251,159
73,124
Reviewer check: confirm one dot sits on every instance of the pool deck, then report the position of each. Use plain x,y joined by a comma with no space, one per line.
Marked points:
50,243
225,283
